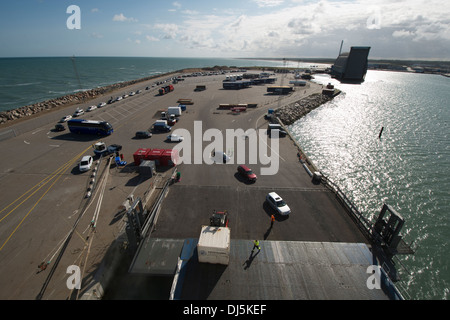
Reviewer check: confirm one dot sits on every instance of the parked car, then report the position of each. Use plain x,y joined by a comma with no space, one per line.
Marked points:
78,112
101,105
220,157
85,163
143,135
91,108
175,138
59,127
247,173
65,119
277,203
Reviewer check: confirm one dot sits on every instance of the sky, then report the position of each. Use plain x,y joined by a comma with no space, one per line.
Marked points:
394,29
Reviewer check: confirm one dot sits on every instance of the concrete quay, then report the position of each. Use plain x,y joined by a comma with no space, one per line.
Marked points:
46,217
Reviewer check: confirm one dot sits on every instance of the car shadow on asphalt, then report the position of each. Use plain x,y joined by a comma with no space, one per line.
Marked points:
269,211
75,137
242,179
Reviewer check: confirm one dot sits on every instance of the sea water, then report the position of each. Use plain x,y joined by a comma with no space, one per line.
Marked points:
24,81
407,168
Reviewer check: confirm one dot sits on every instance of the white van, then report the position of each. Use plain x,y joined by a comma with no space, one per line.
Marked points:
276,127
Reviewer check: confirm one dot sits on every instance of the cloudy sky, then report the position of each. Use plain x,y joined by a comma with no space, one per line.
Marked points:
412,29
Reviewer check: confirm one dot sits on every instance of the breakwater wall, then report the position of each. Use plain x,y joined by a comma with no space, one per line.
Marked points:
292,112
84,96
71,99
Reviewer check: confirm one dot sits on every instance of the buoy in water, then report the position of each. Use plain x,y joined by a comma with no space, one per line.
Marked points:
381,131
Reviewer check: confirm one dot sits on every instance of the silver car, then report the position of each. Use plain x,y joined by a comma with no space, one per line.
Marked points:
85,163
277,203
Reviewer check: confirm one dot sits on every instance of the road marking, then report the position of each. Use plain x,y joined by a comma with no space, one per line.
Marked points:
32,208
109,114
56,174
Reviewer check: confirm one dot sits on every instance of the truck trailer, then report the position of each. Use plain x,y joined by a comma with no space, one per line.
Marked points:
174,110
214,245
166,89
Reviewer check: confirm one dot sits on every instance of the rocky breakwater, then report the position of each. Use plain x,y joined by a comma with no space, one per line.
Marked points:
72,99
292,112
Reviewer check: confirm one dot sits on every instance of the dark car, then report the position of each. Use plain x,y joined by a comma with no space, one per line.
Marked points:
143,135
247,173
59,127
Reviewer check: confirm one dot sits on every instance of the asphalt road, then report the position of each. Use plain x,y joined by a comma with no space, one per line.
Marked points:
43,193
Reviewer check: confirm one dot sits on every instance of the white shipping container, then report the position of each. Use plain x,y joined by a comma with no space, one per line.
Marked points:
214,245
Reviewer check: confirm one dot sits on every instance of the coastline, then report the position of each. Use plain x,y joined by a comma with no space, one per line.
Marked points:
27,112
16,115
294,111
288,114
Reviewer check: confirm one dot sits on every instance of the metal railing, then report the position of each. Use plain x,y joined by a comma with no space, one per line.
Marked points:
362,222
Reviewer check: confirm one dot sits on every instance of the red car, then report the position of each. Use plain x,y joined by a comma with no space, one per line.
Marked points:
247,173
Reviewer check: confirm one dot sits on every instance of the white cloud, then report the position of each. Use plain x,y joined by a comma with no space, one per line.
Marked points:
121,18
151,38
189,12
170,30
310,29
268,3
136,41
402,34
96,35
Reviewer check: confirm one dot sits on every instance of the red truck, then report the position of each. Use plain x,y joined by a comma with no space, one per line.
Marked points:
166,89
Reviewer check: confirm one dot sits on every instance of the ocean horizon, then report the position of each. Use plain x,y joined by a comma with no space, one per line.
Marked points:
28,80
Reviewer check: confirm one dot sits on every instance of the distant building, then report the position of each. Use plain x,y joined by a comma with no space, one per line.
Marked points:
351,66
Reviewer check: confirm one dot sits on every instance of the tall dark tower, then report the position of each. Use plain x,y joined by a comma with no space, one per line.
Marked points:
351,67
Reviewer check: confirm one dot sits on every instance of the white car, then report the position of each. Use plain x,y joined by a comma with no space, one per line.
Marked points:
78,112
175,138
101,105
65,119
220,157
277,203
85,163
91,108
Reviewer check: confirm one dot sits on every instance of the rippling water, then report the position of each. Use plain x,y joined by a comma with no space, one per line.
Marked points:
408,168
25,81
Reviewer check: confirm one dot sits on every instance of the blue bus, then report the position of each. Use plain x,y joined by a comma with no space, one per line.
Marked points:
90,127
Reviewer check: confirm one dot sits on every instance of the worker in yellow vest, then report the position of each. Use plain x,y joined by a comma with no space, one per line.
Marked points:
256,245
